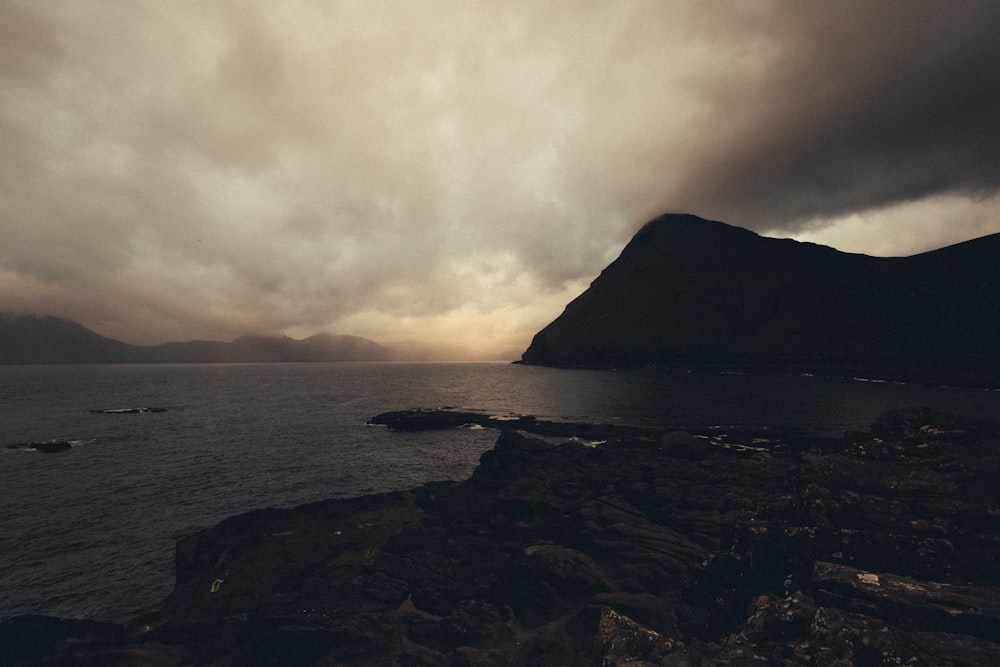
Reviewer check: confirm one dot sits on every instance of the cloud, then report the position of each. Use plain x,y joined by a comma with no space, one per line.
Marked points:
459,171
906,229
866,105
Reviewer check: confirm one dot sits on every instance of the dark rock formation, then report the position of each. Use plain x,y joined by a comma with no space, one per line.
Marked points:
691,292
651,549
50,446
424,420
129,411
28,640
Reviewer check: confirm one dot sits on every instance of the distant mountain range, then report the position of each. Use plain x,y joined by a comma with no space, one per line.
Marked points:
689,292
51,340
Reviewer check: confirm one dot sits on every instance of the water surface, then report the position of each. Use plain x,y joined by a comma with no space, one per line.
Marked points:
90,532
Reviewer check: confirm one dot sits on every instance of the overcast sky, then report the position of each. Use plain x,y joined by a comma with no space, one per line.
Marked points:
458,171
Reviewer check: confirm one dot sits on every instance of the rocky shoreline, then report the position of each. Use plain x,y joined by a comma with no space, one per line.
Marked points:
650,548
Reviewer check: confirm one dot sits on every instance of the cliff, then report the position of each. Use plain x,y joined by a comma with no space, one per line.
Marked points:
652,548
692,292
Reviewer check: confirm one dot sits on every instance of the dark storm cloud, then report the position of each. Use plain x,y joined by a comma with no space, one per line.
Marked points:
459,171
866,104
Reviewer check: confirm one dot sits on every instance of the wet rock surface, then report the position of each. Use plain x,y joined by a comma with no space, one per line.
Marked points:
49,447
649,549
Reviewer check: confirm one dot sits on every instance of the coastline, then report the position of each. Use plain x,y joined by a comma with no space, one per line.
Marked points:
971,376
665,547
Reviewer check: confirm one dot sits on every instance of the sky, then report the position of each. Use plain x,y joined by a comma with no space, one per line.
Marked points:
454,173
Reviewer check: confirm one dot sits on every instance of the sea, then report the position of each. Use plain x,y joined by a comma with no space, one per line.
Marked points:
160,452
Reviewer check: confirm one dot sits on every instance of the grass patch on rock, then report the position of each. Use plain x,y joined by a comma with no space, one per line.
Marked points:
377,526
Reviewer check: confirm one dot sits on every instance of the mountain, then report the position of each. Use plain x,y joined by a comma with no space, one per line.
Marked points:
689,292
248,349
51,340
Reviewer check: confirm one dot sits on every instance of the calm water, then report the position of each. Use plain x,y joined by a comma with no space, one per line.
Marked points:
91,532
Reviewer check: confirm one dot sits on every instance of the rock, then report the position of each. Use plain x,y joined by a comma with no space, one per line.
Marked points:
49,447
881,548
622,641
426,420
24,639
920,605
567,570
683,445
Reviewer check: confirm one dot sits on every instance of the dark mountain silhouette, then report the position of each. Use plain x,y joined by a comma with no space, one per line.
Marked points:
51,340
689,292
246,349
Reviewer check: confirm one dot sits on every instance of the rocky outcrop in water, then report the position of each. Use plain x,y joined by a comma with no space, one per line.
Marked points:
649,549
49,446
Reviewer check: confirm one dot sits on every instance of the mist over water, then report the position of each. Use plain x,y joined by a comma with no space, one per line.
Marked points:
91,532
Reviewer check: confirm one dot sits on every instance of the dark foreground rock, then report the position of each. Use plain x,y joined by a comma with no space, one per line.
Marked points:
651,549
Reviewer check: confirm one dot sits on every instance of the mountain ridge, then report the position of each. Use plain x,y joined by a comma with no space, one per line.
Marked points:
689,292
28,339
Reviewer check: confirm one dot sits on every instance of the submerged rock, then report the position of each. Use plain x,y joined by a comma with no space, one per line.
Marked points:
881,548
50,446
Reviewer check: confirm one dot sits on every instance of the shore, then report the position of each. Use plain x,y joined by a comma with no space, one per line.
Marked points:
582,544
